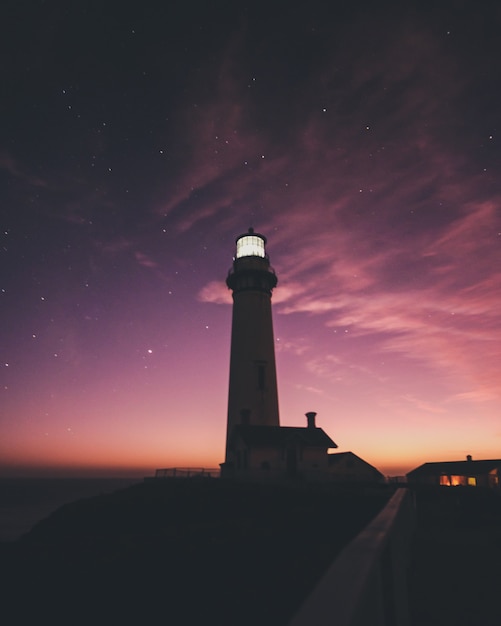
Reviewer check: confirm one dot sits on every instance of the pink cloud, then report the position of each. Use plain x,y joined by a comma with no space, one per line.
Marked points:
374,225
145,260
215,292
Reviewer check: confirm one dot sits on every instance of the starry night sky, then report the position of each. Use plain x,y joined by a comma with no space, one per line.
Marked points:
138,139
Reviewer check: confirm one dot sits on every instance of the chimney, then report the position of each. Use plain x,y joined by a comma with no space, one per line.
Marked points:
311,419
468,457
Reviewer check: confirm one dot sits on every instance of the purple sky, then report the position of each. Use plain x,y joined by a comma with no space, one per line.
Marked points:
139,140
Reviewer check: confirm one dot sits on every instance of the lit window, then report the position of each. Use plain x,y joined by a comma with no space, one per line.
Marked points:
452,481
472,481
250,245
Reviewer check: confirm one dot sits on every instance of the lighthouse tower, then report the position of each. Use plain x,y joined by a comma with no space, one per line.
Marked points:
253,397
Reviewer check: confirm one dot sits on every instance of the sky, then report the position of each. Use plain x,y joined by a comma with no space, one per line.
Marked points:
138,140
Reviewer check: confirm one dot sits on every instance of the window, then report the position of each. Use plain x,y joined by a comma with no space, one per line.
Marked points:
260,376
452,481
472,481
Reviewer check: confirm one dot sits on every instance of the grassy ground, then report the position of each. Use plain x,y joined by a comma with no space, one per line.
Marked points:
181,552
456,574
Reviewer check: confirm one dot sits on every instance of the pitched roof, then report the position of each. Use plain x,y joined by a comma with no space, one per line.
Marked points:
336,457
460,468
263,436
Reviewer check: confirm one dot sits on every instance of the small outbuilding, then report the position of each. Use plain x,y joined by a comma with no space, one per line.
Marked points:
348,467
485,473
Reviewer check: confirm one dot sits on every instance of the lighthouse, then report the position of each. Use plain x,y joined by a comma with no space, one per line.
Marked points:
253,396
257,447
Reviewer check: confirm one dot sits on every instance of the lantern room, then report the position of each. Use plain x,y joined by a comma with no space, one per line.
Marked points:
251,244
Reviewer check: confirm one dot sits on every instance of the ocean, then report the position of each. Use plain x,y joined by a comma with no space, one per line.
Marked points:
26,501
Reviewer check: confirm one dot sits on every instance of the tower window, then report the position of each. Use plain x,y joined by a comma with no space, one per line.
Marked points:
261,376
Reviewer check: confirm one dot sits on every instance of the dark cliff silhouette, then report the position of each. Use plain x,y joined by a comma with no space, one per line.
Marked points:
182,552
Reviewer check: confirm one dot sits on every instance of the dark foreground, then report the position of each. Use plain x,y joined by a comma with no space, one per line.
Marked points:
456,571
25,501
181,552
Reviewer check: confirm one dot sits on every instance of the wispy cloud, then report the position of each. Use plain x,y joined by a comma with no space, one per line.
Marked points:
379,223
145,260
215,292
17,170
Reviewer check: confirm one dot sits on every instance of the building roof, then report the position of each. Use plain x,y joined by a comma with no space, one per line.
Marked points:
264,436
459,468
335,458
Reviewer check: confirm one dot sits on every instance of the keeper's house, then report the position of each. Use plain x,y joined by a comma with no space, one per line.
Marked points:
470,473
